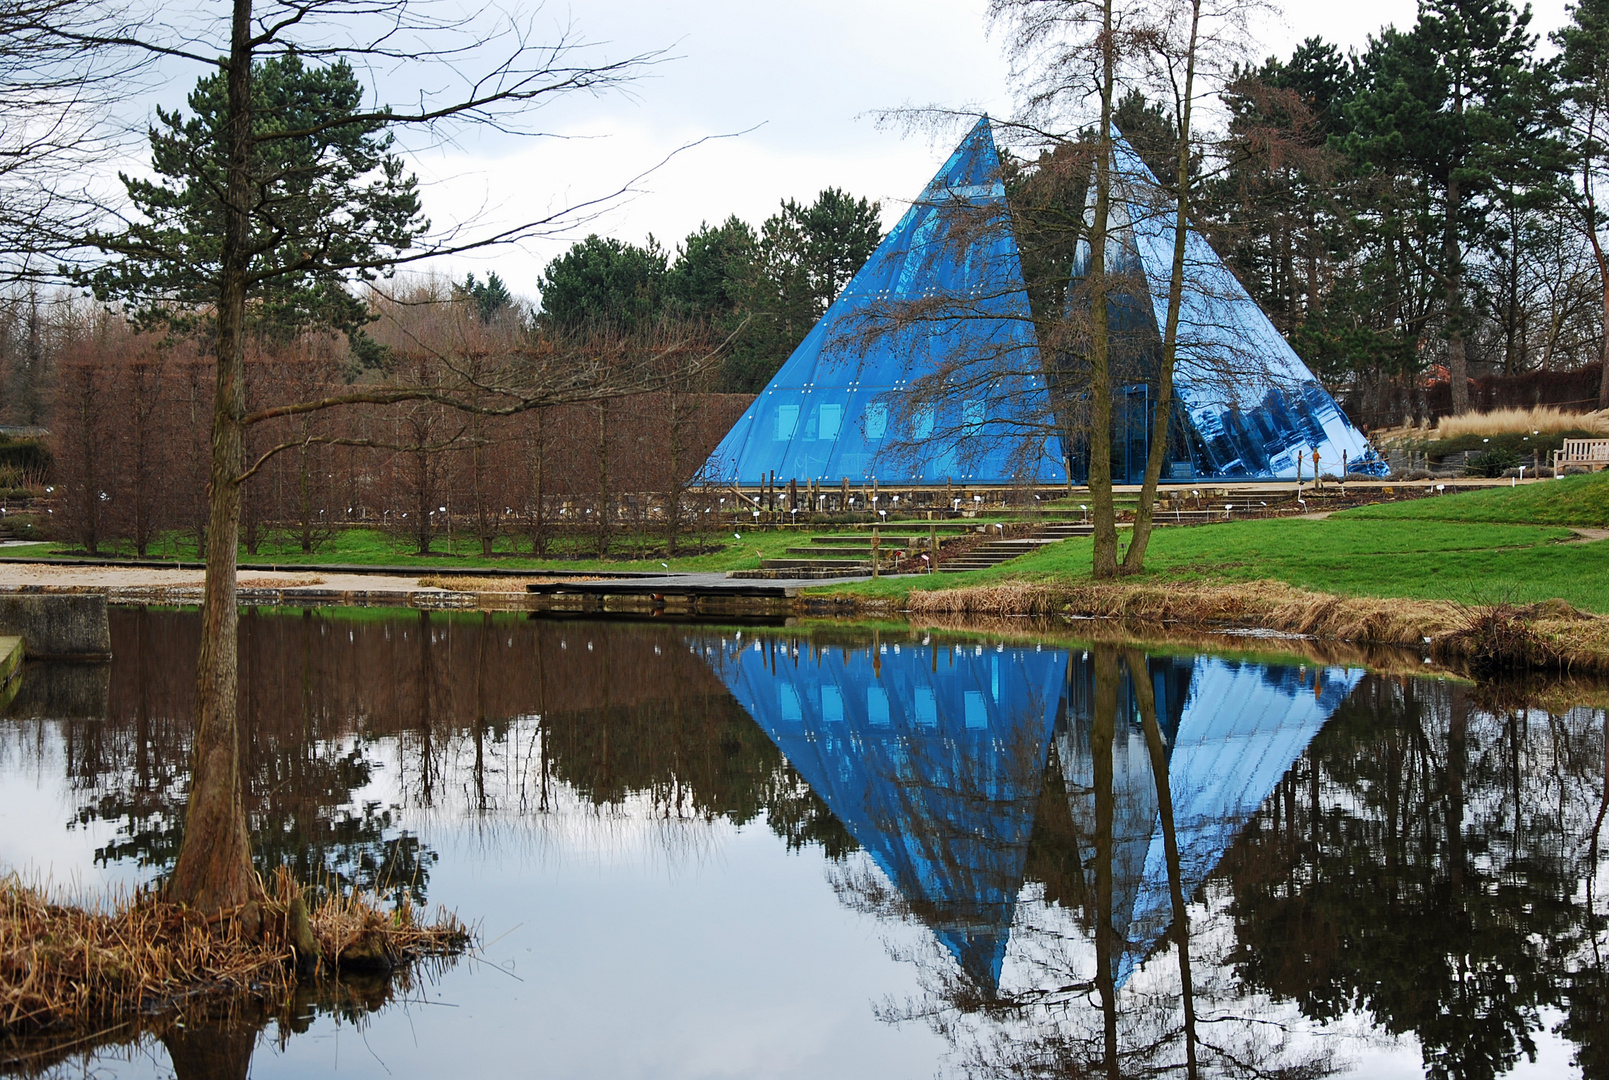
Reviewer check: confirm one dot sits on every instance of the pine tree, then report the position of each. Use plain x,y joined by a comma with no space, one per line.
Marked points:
1460,105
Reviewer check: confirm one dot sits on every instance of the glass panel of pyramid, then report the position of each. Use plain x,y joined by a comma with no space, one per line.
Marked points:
1247,405
837,408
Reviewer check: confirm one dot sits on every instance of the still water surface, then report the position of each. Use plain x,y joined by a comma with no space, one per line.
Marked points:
707,852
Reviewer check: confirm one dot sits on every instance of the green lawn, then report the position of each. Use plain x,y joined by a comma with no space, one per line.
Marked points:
739,548
1574,500
1470,562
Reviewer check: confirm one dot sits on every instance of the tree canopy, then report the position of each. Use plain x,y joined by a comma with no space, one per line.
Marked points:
330,203
765,288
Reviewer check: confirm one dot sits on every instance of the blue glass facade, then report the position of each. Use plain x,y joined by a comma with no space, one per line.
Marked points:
933,757
1246,406
832,411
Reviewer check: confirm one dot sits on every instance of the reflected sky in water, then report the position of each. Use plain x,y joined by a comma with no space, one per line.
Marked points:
697,852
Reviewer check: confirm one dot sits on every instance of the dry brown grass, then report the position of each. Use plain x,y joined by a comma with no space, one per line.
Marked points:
1542,418
263,581
1548,635
492,584
71,966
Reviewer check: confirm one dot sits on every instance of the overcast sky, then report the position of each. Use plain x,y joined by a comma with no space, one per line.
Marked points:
803,78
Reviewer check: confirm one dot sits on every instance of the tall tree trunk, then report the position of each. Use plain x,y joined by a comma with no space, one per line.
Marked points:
1100,376
673,480
538,460
1603,380
603,523
214,865
1457,366
304,491
1134,560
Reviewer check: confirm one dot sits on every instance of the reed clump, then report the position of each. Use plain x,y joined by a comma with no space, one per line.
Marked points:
69,966
1487,637
268,581
1542,419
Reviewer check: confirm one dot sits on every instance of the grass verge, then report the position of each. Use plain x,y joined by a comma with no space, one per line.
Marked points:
737,548
1573,500
1470,563
1489,578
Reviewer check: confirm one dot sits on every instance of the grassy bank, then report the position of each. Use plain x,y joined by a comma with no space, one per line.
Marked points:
1440,569
1348,556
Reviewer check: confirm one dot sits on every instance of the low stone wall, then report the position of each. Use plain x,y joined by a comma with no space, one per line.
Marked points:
58,627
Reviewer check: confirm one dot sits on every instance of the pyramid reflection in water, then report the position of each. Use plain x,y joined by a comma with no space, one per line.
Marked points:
1231,730
933,756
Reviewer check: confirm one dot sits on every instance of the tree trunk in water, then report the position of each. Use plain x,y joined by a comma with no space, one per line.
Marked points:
214,869
1100,424
1145,698
1134,560
1457,366
211,1051
1107,941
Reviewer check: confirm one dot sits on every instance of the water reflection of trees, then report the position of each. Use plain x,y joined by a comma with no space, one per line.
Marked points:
1431,862
1077,1001
356,725
216,1043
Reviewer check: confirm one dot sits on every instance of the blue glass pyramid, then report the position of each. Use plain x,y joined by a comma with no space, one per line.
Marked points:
834,409
1246,404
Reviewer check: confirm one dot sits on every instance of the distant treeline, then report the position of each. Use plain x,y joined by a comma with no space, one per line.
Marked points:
1432,192
129,439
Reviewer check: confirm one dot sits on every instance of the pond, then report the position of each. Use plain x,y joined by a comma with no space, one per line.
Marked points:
700,851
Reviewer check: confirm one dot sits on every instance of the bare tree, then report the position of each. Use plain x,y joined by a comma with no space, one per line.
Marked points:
256,250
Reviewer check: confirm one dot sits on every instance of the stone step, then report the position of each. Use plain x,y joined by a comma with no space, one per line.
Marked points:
848,566
800,573
865,541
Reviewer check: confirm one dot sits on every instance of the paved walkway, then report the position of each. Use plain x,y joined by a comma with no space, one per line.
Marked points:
149,585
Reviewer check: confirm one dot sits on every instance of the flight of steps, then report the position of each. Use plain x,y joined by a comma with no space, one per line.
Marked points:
828,557
996,552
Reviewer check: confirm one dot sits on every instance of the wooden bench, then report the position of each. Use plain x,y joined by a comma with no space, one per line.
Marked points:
1592,454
